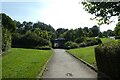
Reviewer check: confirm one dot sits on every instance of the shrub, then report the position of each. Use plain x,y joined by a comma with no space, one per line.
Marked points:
30,40
108,59
98,40
71,45
44,48
83,44
79,40
117,37
90,42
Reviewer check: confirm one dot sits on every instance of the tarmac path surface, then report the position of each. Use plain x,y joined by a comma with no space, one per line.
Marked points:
63,65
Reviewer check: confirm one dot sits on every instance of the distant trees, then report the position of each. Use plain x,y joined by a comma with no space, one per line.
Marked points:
95,30
39,34
60,31
77,34
32,35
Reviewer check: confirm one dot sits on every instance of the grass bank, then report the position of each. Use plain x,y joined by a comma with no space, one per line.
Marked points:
87,54
106,40
24,63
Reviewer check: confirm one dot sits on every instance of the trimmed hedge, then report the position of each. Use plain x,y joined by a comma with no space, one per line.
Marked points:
108,59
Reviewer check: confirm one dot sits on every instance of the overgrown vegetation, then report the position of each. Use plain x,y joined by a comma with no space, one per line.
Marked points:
24,63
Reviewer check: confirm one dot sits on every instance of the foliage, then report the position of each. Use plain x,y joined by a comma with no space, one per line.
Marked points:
43,47
69,35
90,42
7,22
71,45
117,30
60,31
24,63
108,59
102,10
43,26
8,26
79,40
100,35
95,30
31,35
108,33
31,39
76,34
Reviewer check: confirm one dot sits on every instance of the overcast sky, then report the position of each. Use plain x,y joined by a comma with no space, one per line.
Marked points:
58,13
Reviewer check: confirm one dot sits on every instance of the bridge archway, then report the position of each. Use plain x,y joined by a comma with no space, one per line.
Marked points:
58,43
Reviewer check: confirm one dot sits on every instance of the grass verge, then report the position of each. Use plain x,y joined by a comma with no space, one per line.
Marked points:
87,54
106,40
24,63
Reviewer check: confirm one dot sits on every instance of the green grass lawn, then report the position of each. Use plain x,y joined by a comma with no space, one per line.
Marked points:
24,63
87,54
106,40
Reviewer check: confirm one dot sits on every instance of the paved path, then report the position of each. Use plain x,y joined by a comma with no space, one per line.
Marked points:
63,65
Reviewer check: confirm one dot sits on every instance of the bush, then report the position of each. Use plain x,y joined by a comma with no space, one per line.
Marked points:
30,40
98,40
108,59
83,44
71,45
79,40
90,42
117,37
44,48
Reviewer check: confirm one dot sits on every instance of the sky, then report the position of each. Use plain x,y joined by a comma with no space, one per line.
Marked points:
58,13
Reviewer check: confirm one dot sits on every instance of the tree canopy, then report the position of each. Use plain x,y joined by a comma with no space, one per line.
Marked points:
102,10
7,22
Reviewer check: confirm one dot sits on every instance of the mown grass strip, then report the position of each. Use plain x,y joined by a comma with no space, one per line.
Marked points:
87,54
106,40
24,63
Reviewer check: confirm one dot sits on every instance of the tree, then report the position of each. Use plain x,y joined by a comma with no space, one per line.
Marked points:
69,35
8,26
7,22
105,34
100,34
95,30
110,33
43,26
117,29
60,31
86,31
102,10
90,33
79,32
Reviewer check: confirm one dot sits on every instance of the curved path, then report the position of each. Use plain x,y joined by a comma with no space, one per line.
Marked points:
63,65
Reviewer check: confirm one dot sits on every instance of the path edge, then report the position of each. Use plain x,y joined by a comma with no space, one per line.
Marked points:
89,65
44,67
